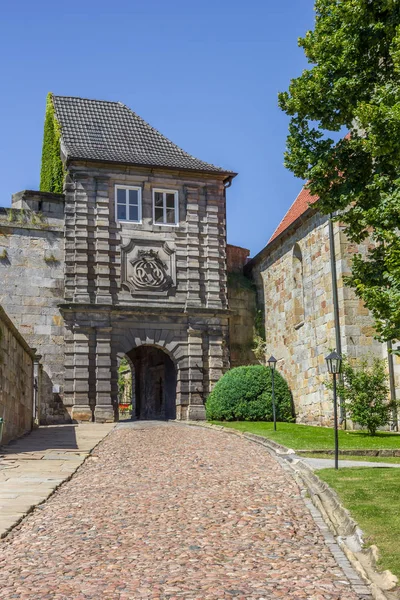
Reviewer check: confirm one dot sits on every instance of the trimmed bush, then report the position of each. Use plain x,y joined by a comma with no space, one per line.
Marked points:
245,394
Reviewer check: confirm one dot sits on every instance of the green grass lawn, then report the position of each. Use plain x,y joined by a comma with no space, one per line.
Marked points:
306,437
373,498
382,459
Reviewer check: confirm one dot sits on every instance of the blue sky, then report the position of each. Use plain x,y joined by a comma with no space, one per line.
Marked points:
206,74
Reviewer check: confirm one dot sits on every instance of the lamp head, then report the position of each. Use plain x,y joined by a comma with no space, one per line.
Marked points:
333,362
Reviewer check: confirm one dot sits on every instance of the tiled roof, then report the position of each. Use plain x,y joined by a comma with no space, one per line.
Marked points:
299,207
111,132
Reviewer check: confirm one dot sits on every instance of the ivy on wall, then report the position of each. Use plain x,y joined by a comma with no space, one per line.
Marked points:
52,170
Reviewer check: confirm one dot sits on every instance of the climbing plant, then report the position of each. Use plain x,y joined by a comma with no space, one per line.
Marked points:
259,341
52,171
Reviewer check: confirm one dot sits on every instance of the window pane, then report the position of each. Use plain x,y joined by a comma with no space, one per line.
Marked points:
133,197
121,196
158,215
134,213
158,199
121,212
170,215
170,200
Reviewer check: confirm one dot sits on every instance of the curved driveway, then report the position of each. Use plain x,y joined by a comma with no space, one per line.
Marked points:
169,511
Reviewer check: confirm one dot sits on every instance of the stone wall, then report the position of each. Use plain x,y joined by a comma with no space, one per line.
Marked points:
242,306
299,314
32,285
68,283
109,311
294,286
98,248
355,319
16,381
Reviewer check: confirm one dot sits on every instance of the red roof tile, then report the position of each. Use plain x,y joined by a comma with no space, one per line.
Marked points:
299,207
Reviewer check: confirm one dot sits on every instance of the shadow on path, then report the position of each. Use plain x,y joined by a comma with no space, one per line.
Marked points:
57,437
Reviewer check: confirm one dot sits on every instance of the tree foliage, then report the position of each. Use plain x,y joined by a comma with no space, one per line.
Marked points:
245,394
365,390
124,381
52,171
353,84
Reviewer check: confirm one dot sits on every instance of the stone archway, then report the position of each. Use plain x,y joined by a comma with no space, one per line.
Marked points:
155,383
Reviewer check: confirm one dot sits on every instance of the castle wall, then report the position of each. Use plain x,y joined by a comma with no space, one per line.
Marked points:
355,318
294,284
32,285
16,381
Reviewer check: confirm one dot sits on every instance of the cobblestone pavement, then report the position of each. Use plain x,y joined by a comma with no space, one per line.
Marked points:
170,511
32,467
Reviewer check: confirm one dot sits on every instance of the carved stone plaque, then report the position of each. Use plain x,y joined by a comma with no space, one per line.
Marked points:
148,267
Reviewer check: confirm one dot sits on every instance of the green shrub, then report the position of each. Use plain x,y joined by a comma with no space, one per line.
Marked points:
245,394
365,390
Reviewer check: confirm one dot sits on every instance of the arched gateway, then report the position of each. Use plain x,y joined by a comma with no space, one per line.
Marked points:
154,383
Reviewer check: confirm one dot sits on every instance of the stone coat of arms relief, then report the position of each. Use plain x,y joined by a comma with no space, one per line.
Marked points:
148,267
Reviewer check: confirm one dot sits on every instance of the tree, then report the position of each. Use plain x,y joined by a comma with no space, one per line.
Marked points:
354,85
364,388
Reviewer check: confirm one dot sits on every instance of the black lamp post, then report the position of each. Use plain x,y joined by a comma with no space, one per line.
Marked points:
272,364
334,363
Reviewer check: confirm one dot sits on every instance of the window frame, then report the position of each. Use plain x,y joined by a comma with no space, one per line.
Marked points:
126,188
165,191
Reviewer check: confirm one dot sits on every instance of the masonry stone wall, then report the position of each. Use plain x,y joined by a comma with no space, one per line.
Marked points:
355,319
242,304
242,307
109,311
32,285
16,381
68,270
294,284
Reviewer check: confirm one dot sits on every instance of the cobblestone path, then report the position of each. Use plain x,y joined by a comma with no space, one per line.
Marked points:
167,511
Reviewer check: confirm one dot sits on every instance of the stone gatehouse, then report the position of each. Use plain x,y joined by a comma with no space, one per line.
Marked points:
129,260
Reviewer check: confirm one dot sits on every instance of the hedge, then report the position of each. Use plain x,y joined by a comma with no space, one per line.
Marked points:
245,394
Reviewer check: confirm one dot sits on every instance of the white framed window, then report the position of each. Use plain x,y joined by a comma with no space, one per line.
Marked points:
128,203
165,207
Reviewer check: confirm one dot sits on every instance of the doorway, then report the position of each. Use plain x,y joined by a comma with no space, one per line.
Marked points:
154,382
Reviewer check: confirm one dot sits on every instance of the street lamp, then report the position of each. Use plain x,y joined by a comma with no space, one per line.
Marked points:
272,364
334,363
